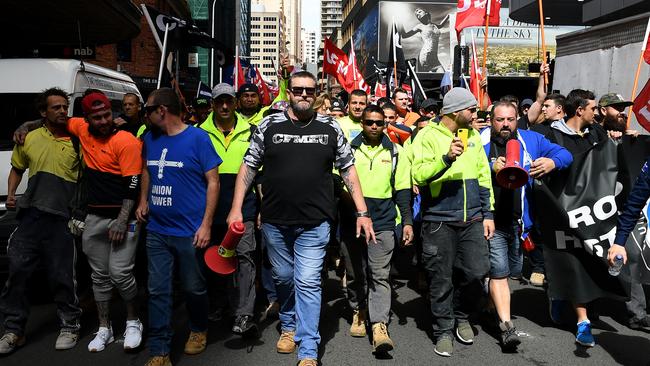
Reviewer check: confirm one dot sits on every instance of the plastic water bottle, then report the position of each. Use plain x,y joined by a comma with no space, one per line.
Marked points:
615,269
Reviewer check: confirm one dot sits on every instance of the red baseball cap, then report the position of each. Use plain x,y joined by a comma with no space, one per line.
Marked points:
95,102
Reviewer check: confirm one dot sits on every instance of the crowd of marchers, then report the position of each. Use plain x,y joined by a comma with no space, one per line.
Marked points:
314,180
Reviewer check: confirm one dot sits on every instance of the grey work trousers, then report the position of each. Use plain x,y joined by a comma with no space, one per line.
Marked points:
367,269
112,264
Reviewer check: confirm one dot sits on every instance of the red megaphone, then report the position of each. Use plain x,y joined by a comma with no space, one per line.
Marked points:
222,259
512,176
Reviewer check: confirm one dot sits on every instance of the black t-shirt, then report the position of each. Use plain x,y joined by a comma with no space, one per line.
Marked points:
507,202
298,159
523,122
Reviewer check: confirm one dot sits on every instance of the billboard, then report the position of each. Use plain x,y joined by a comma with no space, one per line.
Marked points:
365,43
512,45
425,31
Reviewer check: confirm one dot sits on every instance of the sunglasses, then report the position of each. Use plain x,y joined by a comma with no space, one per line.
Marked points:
370,122
151,108
298,90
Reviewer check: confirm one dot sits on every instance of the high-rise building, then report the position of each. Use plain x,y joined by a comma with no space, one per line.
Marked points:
267,39
331,17
291,10
309,46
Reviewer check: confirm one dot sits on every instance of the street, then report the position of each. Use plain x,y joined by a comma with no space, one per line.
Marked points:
542,342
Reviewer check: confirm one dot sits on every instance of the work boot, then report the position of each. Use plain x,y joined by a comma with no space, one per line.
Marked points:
9,342
537,279
308,362
66,340
196,343
159,361
509,338
358,326
380,339
286,343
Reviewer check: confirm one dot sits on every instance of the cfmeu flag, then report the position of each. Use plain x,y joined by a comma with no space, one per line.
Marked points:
336,63
182,33
265,93
354,77
472,13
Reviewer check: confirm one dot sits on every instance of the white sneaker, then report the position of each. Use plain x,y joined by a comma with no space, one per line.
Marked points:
132,334
103,337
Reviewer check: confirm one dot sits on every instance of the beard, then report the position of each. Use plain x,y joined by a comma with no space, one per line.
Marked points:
614,124
501,136
302,110
97,132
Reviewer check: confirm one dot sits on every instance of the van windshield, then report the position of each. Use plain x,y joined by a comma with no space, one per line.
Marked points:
15,108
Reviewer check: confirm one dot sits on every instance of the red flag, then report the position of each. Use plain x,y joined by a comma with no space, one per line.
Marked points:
354,77
380,90
475,73
265,93
641,107
241,77
335,63
471,13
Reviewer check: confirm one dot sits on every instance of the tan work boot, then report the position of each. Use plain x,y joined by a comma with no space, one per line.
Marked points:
358,326
537,279
308,362
196,343
159,361
381,342
286,343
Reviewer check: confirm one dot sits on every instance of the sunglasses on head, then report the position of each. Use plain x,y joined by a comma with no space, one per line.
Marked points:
298,90
370,122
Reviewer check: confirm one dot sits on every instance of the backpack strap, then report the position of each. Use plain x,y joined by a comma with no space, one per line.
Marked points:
394,156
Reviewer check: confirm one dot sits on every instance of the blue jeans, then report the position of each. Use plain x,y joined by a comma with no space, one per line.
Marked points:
506,257
296,254
162,251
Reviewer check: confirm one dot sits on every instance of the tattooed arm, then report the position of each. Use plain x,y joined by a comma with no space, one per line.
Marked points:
245,179
351,180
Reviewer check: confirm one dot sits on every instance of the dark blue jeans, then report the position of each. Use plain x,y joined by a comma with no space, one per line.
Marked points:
162,252
296,253
456,259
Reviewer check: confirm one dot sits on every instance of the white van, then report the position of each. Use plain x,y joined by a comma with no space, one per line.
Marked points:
21,80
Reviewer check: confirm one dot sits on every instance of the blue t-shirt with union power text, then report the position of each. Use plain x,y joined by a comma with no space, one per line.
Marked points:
177,166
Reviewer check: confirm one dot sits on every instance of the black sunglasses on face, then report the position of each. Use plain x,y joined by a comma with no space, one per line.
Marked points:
298,90
370,122
151,108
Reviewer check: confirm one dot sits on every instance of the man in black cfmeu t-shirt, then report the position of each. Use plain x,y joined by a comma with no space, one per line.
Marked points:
298,149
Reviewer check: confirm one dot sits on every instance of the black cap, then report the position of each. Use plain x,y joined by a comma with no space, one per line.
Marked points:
248,87
201,101
428,103
337,105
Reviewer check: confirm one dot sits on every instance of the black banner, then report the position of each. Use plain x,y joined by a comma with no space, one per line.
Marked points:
577,211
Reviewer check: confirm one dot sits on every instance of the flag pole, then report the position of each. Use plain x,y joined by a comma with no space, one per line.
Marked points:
541,30
417,81
234,82
638,70
485,44
354,61
392,36
162,56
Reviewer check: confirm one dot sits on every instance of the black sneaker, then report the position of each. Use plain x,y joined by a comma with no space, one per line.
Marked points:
639,323
509,338
243,324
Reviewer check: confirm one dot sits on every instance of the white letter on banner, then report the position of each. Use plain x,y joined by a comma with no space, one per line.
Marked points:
466,5
580,214
561,240
599,208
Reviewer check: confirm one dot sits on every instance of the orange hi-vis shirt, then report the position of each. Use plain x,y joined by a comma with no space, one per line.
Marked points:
113,164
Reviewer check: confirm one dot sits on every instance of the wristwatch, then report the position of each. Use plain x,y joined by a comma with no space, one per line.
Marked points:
362,214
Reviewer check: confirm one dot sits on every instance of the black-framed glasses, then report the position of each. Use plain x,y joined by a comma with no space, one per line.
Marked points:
370,122
298,90
151,108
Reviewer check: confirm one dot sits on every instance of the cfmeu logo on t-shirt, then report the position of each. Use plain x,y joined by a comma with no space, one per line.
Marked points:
281,138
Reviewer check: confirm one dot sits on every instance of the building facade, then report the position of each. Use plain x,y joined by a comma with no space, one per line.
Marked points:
331,17
267,39
309,46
